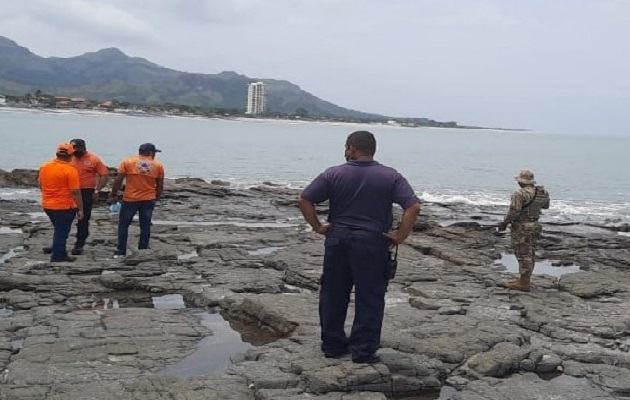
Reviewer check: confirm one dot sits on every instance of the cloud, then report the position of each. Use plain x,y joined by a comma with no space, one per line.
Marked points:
72,24
91,18
487,62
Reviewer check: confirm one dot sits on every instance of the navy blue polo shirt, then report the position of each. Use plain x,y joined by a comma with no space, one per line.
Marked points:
361,194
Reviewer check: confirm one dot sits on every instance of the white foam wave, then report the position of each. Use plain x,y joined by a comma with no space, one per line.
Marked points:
477,199
19,194
559,209
591,208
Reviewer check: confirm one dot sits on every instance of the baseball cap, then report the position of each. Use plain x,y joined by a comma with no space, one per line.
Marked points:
148,147
65,149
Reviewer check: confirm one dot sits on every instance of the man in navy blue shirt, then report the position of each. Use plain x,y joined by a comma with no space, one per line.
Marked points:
361,193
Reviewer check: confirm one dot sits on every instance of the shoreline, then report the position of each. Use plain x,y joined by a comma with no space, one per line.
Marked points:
600,213
450,324
134,113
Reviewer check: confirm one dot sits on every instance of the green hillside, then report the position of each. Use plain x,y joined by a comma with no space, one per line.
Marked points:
109,74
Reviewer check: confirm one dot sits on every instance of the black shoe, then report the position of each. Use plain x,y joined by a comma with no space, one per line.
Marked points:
373,359
47,250
77,251
336,354
65,259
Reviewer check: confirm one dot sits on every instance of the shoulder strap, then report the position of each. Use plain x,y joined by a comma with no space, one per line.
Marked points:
533,198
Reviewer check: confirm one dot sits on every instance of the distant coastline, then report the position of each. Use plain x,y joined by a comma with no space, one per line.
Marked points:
178,114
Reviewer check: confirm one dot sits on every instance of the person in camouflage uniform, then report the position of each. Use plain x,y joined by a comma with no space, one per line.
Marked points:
525,209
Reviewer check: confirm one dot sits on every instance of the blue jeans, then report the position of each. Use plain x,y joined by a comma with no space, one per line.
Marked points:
353,258
127,210
62,223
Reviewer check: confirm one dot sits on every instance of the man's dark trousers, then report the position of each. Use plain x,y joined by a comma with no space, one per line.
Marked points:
127,210
83,225
353,258
62,223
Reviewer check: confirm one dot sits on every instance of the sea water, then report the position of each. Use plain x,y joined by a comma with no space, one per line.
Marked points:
584,174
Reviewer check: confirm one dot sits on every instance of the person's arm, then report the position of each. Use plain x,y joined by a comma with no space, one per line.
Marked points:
407,221
113,195
310,216
101,182
159,188
76,195
516,205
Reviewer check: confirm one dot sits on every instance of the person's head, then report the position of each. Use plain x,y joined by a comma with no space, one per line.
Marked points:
148,149
64,151
525,178
79,147
360,145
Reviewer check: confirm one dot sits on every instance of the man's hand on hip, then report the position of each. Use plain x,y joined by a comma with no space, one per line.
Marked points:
323,229
394,238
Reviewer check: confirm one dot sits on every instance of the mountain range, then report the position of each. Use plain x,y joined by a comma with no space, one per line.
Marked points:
110,74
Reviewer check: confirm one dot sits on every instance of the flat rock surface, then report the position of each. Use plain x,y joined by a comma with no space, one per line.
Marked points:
94,328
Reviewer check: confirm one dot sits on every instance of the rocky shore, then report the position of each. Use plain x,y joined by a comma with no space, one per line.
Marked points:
224,306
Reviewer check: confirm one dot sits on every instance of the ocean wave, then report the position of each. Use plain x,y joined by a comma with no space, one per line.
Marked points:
559,208
475,199
19,194
599,209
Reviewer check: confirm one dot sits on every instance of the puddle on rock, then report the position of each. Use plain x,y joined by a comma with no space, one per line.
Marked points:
5,313
243,224
113,300
7,230
214,353
36,215
17,344
169,302
188,256
131,299
446,393
510,262
107,272
11,254
265,251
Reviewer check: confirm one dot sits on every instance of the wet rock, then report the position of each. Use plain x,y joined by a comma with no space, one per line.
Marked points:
18,178
527,365
501,360
530,386
90,326
548,363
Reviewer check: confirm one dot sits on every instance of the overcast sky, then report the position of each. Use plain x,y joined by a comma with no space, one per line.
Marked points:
558,66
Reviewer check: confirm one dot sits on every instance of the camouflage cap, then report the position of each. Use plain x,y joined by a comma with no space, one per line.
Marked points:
526,177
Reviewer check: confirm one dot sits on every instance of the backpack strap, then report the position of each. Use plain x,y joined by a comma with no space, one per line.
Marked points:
533,198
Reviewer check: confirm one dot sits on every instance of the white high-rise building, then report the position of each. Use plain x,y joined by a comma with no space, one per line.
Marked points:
256,98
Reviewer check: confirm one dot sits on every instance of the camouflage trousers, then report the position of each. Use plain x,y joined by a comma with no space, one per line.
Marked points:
525,235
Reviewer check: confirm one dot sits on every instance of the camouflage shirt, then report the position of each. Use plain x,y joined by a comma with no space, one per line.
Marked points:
526,204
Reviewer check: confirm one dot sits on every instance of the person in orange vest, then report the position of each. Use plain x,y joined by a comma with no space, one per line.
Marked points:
144,177
61,198
93,176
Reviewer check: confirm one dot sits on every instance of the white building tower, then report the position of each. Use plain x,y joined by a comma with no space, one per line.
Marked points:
256,98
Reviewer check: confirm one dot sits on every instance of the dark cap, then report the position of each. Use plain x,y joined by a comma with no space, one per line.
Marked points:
148,147
78,143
